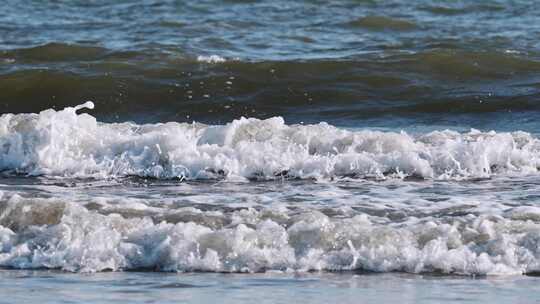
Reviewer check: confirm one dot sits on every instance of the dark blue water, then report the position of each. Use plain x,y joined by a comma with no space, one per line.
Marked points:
351,63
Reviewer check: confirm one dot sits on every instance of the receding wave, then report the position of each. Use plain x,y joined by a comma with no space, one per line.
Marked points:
64,143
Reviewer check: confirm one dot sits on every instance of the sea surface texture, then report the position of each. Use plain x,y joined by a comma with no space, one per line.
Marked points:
309,145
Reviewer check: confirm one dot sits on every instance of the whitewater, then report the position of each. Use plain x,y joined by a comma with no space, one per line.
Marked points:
66,144
258,195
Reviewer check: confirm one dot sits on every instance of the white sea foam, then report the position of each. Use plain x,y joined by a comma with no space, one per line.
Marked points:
64,143
211,59
50,233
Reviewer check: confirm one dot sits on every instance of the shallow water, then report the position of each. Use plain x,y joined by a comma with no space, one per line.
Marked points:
317,151
52,287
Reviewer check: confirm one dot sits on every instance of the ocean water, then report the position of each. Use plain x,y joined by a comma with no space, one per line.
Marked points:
308,151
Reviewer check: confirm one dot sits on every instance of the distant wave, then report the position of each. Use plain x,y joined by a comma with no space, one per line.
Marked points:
211,59
151,86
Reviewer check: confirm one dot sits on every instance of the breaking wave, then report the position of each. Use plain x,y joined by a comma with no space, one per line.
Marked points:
67,144
51,233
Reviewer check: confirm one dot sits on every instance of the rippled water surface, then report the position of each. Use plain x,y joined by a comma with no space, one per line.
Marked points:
321,151
357,63
28,286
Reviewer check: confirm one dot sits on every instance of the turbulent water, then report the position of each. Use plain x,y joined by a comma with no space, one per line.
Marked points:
243,136
257,195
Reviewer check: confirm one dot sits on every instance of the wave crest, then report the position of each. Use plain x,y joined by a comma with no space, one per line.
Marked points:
64,143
